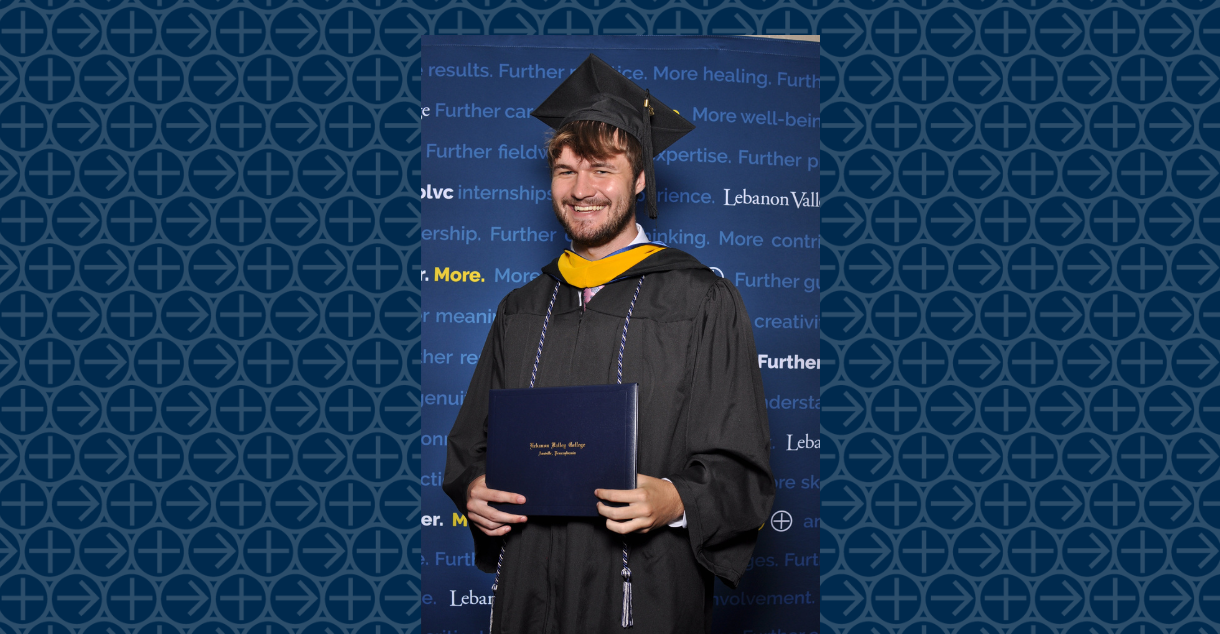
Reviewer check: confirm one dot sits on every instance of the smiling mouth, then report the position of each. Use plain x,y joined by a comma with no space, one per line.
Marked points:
586,208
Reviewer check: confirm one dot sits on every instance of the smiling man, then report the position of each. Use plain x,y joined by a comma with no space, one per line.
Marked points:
594,196
704,485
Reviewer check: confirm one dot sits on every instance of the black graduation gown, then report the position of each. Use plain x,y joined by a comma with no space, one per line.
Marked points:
702,424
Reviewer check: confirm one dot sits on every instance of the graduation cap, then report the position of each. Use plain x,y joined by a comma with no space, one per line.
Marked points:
597,92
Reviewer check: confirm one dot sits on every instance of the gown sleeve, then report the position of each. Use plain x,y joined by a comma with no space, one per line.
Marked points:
726,485
466,455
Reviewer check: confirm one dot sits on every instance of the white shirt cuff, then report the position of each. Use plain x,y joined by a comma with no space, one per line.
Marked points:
681,523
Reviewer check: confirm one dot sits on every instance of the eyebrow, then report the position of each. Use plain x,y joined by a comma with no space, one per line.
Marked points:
597,164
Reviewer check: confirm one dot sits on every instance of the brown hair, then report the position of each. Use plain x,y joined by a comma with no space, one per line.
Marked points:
595,140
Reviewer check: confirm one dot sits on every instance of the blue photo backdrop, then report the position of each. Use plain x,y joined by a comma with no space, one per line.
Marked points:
740,193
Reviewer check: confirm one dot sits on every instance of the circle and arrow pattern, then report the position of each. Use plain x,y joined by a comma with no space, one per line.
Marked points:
1021,304
171,184
1066,66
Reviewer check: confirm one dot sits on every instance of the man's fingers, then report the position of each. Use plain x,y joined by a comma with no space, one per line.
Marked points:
620,495
482,521
622,528
503,530
488,519
488,526
493,495
482,509
621,513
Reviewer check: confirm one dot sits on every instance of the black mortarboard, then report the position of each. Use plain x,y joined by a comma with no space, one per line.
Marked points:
597,92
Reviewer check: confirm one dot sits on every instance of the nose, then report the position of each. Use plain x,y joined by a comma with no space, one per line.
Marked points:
583,187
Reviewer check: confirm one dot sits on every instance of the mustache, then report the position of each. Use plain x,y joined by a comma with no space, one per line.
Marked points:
586,203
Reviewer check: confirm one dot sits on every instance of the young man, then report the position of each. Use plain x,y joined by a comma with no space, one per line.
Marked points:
704,483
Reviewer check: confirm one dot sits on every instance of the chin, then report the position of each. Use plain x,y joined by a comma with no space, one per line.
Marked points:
591,238
593,233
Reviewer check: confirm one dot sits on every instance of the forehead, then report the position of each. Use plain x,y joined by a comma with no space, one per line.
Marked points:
569,158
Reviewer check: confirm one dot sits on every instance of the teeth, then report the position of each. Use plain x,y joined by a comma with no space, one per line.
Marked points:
590,208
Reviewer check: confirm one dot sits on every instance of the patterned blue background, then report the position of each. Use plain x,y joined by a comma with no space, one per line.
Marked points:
1069,480
1019,406
209,375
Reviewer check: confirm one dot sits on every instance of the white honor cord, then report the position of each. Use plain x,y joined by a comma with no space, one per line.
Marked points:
626,572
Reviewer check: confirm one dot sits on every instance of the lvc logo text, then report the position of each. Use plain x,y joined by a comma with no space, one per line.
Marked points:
437,192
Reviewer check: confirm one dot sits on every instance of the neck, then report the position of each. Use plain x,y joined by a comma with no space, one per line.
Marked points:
598,252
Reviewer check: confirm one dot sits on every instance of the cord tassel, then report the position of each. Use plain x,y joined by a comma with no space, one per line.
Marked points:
627,620
622,346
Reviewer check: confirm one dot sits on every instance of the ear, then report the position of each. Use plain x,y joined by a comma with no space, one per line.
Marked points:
639,182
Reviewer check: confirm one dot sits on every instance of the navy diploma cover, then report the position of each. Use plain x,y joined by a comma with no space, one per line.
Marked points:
556,445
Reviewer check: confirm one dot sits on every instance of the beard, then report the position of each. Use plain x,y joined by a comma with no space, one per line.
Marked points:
588,235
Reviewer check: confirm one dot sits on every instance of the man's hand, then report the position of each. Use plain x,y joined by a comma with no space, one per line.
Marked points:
654,504
488,519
